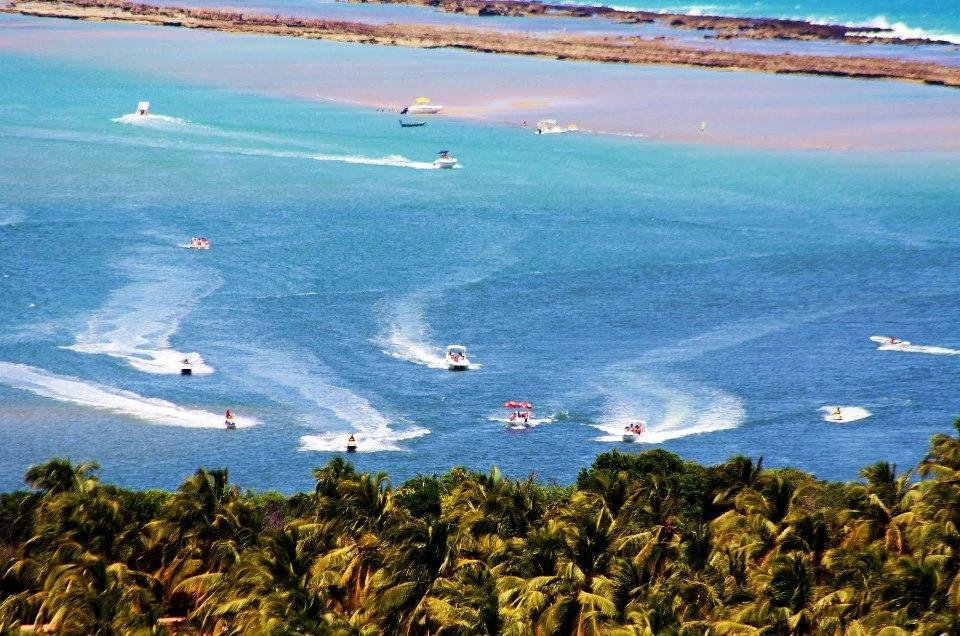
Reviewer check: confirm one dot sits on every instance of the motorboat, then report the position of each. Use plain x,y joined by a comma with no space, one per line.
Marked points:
632,432
186,368
444,160
143,108
457,359
522,412
422,106
890,341
199,243
551,127
229,422
412,124
351,444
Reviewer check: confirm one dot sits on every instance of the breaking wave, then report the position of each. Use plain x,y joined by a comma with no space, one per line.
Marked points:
901,31
76,391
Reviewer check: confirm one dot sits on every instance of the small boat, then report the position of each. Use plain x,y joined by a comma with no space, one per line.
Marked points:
457,358
351,444
143,108
522,412
837,415
198,243
890,341
422,106
551,127
632,432
186,368
444,160
228,421
412,124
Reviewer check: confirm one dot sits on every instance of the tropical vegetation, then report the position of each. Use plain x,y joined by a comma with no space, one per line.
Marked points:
642,544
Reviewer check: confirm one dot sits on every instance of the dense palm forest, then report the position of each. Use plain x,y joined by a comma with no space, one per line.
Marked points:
641,544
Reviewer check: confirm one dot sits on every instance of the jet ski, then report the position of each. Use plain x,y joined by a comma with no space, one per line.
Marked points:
352,445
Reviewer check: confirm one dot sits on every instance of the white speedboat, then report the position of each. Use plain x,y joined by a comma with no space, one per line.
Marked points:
551,127
444,160
422,106
143,108
457,358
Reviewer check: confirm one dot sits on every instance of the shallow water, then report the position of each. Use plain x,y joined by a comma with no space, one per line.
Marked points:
657,102
724,296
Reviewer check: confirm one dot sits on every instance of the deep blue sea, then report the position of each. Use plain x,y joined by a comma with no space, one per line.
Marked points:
725,296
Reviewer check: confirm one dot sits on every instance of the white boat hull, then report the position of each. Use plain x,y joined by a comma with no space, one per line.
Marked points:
445,163
424,110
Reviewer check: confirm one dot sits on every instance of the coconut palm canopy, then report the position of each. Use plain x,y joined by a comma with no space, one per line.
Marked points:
642,544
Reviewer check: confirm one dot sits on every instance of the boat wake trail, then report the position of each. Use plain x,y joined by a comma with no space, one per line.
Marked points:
137,321
407,335
847,414
159,122
76,391
671,409
10,216
909,347
323,404
176,124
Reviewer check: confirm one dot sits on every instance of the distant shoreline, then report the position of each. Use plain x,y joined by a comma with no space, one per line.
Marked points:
720,27
608,49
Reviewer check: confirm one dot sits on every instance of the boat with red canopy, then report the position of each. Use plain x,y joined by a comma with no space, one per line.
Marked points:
522,411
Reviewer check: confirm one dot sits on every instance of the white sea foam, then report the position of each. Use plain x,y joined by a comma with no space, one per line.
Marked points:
847,414
407,335
908,347
901,31
671,409
324,404
138,319
520,424
11,217
160,122
76,391
397,161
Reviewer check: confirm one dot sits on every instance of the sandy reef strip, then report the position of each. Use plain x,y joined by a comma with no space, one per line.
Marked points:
610,49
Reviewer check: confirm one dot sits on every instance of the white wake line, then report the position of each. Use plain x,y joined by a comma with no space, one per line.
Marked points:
847,414
164,122
118,401
908,347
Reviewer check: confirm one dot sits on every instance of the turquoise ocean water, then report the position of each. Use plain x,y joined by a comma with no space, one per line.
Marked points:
724,296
